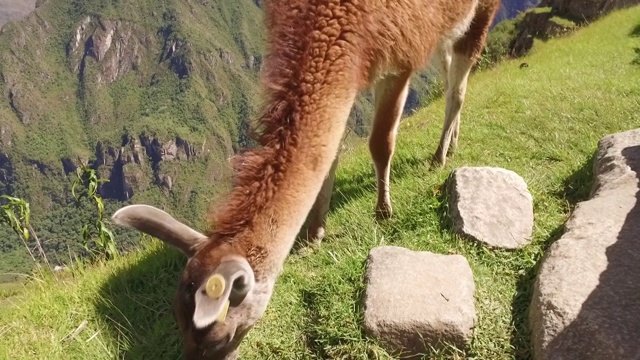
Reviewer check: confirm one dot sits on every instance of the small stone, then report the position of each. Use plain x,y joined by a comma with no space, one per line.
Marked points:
417,299
491,205
586,298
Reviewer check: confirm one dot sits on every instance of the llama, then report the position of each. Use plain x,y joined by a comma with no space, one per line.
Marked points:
321,54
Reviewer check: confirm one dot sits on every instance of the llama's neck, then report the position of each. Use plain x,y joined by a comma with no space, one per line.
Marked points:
312,76
277,184
288,177
285,214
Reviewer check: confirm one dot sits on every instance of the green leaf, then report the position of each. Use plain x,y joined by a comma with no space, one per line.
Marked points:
85,232
100,206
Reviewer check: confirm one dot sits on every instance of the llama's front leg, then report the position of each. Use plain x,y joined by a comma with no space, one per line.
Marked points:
320,209
455,93
390,94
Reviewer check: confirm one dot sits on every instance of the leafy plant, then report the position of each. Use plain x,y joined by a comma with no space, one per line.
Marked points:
16,213
97,233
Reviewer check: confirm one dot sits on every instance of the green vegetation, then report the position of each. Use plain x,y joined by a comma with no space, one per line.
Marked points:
543,122
16,215
541,10
563,22
499,42
97,233
513,37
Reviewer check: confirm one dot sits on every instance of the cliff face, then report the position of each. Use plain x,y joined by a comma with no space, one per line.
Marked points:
94,38
138,163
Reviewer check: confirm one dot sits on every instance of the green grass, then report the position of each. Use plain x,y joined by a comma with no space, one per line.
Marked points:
543,122
563,22
541,10
9,289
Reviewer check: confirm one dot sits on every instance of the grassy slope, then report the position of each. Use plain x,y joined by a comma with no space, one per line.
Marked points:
543,122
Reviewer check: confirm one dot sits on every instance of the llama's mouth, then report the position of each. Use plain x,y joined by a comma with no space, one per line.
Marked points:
224,344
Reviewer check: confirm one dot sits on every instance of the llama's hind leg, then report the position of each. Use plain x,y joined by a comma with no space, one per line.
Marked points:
441,61
320,209
390,96
466,51
455,93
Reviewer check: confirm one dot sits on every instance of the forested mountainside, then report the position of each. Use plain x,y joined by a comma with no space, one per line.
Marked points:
153,95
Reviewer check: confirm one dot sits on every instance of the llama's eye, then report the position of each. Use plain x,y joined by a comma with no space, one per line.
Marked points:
189,289
189,292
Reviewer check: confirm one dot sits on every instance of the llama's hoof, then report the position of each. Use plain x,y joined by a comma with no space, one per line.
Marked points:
306,245
315,235
437,162
383,212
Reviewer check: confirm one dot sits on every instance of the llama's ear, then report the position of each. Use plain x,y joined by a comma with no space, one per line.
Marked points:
228,285
159,224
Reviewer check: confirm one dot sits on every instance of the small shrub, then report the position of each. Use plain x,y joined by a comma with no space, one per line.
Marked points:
498,43
96,233
16,213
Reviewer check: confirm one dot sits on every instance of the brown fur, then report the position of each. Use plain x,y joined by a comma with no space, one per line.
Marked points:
473,41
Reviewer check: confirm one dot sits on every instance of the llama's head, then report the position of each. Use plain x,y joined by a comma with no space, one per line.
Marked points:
218,299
